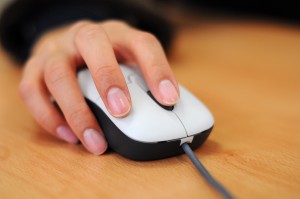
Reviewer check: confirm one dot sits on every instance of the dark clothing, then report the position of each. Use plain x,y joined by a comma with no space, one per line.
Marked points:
25,20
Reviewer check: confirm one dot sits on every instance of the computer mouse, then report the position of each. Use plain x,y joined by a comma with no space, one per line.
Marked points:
150,131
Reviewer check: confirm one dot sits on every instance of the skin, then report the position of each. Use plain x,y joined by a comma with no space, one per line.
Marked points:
50,73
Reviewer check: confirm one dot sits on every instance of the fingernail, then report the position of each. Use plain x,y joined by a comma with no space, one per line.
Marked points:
95,143
66,134
168,92
117,102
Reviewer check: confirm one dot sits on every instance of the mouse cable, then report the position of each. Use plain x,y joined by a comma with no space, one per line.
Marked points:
187,149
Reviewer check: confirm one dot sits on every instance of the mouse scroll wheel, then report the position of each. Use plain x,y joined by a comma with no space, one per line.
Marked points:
168,108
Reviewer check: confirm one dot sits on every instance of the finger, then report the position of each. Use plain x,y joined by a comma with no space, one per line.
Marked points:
61,80
36,97
151,58
96,50
149,55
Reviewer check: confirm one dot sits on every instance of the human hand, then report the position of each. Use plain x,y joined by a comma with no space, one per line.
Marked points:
51,72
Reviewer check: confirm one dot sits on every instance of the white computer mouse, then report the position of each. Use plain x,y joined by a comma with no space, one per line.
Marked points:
150,131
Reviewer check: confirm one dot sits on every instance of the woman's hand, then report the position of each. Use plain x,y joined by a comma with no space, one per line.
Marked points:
51,72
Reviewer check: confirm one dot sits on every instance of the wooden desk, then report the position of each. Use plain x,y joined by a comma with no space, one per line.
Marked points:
248,74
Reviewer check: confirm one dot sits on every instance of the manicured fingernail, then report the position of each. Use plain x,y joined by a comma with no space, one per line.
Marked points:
95,143
66,134
168,92
117,102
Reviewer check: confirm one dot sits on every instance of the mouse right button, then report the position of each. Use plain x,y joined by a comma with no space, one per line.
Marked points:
193,114
139,81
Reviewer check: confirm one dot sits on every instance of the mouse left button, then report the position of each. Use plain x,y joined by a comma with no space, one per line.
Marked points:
139,81
87,85
168,108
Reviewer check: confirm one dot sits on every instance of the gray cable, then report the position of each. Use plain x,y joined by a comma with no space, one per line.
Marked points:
205,173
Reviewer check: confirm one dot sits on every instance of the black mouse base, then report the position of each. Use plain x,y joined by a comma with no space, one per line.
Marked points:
141,151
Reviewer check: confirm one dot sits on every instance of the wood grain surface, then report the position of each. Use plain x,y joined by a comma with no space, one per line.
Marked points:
247,73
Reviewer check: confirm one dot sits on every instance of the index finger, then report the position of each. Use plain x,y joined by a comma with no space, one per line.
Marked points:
95,48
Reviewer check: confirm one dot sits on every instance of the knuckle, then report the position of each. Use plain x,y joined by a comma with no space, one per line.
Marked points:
31,62
80,24
88,32
78,116
47,45
55,73
143,38
115,23
105,71
45,118
26,89
71,32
